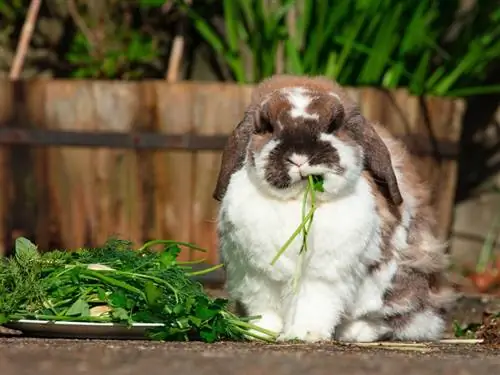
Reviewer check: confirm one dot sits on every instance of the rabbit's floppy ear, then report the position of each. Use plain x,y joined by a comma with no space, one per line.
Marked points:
233,155
376,154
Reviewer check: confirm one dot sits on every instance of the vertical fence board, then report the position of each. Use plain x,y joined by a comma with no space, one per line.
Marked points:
446,117
69,106
6,105
25,205
117,107
217,109
147,121
35,109
174,169
94,192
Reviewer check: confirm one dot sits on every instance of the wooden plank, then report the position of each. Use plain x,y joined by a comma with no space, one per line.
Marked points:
149,141
217,109
26,202
69,105
446,117
146,122
118,209
35,108
6,106
173,170
131,140
93,193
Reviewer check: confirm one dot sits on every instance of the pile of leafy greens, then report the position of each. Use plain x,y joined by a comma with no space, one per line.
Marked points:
116,283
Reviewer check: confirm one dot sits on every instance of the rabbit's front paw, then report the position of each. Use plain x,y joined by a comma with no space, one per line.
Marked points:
269,321
305,333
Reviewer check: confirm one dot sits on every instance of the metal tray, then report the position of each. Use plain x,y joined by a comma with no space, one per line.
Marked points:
81,330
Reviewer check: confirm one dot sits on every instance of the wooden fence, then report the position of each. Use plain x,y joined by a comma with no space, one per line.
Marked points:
82,160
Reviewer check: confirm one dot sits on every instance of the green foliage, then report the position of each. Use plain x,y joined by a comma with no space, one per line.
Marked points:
427,46
385,43
115,46
124,60
11,13
466,331
131,285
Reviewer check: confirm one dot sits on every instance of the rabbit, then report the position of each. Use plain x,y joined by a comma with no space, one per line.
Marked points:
374,268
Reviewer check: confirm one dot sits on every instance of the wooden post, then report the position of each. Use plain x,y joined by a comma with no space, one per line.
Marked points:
24,41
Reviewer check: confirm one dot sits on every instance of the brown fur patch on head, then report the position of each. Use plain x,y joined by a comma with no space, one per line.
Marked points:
319,111
376,154
317,84
329,109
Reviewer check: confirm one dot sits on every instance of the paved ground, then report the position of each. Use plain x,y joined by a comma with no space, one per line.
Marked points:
22,356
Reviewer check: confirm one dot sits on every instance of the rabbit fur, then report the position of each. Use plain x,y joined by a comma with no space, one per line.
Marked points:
374,268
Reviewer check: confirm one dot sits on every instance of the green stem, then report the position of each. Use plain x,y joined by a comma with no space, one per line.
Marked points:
205,271
152,278
295,234
170,242
254,335
189,262
247,326
98,275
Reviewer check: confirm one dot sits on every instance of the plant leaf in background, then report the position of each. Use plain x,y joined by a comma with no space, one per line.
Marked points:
383,43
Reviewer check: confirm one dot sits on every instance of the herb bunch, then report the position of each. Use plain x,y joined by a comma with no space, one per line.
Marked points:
116,283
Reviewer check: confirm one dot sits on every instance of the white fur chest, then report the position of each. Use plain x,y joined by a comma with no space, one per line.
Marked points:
253,227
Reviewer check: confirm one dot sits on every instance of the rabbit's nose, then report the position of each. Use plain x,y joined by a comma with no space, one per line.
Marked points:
297,159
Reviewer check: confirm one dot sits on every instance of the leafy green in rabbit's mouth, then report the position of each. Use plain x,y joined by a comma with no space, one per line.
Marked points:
315,184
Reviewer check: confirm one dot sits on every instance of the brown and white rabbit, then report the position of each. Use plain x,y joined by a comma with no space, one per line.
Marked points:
374,266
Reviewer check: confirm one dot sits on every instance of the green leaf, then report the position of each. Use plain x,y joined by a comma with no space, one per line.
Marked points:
168,257
231,19
205,312
318,183
417,83
293,58
118,299
353,31
101,294
153,293
208,335
385,42
25,251
195,320
4,318
120,314
79,308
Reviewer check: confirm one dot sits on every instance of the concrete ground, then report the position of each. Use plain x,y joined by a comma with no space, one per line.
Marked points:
23,356
30,356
